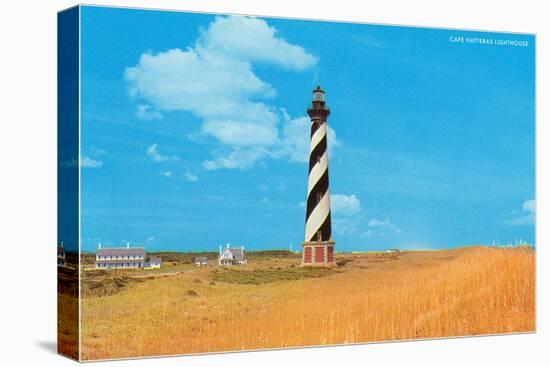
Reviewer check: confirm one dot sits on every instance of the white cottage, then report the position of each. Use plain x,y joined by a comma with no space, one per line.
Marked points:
61,261
201,261
232,256
153,263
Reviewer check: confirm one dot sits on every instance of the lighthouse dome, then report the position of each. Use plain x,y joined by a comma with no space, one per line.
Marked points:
318,95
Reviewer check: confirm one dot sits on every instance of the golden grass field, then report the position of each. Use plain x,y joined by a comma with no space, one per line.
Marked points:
67,311
273,303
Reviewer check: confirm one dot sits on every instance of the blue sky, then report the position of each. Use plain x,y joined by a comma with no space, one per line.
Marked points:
194,132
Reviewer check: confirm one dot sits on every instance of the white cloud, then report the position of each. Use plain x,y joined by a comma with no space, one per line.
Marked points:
345,211
85,162
153,153
97,152
146,112
254,40
345,226
528,206
215,81
345,205
381,228
166,173
527,215
243,133
263,187
206,84
281,187
241,158
71,163
191,177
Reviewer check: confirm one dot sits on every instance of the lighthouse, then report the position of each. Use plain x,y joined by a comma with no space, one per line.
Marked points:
318,246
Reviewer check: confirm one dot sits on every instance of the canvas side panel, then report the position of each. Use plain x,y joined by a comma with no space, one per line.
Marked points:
67,182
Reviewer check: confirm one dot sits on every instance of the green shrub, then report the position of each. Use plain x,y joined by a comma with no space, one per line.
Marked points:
271,275
192,293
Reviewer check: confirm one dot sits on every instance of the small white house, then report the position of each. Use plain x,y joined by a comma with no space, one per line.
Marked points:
232,256
153,263
61,261
201,261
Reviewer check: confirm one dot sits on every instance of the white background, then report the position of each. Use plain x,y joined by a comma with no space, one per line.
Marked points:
28,182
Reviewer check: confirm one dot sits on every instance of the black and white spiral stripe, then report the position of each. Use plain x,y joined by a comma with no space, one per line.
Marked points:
318,224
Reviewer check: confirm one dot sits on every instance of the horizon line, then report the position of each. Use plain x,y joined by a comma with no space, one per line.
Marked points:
396,249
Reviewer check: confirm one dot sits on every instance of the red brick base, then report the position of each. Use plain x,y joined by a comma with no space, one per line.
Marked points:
330,254
307,255
318,253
